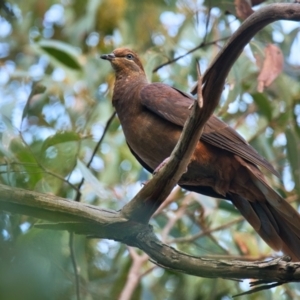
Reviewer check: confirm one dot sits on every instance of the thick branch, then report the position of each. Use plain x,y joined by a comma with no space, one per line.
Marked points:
94,222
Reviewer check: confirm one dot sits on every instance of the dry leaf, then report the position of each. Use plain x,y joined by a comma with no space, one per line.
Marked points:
247,243
272,67
243,8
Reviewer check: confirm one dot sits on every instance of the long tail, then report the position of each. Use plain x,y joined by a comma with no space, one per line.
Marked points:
274,219
278,230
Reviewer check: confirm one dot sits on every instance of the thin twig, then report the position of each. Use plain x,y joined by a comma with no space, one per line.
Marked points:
203,224
205,232
199,89
259,288
134,274
109,121
202,45
207,23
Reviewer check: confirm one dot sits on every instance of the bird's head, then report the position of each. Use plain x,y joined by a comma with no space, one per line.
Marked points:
125,60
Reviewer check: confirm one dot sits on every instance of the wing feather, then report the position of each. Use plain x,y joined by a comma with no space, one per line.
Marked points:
174,106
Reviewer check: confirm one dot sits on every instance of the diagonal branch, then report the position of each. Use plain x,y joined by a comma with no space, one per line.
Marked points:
215,74
152,195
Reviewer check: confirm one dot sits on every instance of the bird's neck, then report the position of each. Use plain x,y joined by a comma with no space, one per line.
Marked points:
126,99
127,88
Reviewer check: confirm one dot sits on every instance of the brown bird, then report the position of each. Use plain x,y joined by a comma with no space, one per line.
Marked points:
223,164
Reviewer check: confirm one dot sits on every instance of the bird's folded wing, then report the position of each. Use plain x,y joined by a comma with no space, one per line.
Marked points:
174,106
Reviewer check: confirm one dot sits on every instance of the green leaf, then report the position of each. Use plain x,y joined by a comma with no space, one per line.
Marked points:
60,137
293,148
289,39
61,158
28,167
62,52
263,104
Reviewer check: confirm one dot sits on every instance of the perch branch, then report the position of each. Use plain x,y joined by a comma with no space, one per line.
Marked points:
100,223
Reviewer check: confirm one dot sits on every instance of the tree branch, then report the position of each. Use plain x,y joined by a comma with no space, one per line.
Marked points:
100,223
217,72
152,195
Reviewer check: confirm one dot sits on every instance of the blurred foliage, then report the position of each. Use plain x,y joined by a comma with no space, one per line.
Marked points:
55,102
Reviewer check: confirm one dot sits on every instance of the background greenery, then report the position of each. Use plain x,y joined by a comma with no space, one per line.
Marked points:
48,136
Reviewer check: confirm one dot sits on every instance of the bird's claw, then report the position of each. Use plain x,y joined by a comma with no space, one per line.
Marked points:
162,164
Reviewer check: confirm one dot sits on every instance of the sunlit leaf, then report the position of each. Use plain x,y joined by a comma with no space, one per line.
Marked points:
90,179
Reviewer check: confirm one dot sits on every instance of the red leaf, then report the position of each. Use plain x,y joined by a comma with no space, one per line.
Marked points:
272,67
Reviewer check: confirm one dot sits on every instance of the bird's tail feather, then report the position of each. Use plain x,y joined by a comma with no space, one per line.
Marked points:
273,225
268,193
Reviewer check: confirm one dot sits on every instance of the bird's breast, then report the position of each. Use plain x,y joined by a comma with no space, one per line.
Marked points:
150,137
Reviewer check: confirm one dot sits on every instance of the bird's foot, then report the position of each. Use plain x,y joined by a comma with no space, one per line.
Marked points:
162,164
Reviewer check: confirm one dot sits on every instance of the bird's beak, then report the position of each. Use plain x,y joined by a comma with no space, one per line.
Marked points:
110,56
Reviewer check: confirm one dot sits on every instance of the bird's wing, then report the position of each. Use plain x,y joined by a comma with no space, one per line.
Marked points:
174,106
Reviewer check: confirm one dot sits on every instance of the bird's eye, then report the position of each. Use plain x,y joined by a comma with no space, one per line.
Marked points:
129,56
